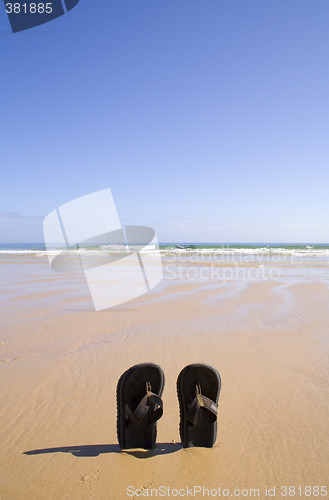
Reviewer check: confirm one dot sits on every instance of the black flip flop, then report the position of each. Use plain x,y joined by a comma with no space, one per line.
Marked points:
198,388
139,405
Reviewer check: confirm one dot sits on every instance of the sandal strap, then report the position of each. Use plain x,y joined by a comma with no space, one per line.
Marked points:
200,401
145,407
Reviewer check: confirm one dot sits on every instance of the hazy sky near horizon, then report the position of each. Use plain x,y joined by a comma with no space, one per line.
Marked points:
208,119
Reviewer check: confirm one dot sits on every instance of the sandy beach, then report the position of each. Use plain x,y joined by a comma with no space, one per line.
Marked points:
60,362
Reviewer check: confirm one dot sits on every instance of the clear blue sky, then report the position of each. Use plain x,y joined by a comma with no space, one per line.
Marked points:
208,119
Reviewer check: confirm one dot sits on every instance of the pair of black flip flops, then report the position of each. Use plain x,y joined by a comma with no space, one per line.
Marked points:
140,405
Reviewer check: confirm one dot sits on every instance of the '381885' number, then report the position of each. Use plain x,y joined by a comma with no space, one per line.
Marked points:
33,8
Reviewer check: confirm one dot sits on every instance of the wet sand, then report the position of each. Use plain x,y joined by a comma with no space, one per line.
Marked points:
60,362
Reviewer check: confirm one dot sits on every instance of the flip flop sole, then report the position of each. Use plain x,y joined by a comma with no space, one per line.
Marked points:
204,433
131,389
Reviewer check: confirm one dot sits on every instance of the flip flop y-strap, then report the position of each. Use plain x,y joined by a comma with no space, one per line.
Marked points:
200,401
146,407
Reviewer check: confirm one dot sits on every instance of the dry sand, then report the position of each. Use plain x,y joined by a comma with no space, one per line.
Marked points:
60,362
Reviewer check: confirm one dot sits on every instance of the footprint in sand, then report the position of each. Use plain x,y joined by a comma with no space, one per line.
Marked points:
89,478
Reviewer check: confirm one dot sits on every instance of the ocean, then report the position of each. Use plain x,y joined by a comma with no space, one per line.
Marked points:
188,248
